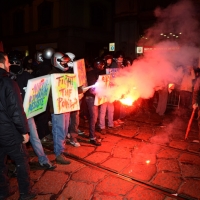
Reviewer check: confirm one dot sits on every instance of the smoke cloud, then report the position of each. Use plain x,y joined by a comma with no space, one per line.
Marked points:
175,39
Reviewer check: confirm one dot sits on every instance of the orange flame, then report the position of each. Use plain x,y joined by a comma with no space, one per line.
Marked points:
127,101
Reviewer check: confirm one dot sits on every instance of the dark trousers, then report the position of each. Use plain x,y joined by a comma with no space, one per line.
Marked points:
41,121
18,153
73,124
93,115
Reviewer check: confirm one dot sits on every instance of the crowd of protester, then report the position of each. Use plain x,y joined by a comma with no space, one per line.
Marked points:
108,116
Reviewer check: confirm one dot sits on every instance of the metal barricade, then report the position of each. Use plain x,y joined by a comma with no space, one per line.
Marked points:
174,98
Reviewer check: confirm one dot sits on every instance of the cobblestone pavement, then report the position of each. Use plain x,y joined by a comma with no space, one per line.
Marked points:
145,159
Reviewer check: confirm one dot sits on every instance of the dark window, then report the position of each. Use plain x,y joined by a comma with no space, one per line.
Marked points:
45,14
18,22
97,15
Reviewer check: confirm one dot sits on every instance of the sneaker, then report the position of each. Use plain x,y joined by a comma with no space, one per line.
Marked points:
81,132
113,127
49,136
95,142
31,195
62,160
120,121
48,166
75,144
102,131
46,140
116,123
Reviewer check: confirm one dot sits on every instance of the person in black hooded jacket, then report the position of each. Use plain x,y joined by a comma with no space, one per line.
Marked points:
13,133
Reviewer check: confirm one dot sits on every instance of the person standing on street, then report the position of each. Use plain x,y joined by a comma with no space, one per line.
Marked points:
196,104
13,134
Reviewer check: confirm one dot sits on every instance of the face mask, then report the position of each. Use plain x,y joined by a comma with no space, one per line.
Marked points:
15,69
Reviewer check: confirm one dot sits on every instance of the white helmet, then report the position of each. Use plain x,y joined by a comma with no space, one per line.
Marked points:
72,56
48,53
38,56
59,57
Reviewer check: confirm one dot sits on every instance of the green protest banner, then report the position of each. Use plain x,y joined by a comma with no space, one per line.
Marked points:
36,97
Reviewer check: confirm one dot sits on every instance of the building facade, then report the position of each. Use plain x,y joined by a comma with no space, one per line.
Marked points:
84,27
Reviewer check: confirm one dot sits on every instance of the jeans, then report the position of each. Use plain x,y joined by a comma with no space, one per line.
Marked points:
19,155
73,126
41,121
93,114
109,107
60,125
36,143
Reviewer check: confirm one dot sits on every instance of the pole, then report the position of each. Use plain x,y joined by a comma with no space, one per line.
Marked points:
189,123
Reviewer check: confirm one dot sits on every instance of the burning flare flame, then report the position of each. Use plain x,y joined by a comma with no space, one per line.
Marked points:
127,100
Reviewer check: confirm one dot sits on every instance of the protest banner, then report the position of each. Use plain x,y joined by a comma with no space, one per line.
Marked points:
103,82
79,70
112,72
64,93
36,97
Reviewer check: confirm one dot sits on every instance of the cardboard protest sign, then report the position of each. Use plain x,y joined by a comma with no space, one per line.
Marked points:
103,82
79,70
112,72
36,97
64,93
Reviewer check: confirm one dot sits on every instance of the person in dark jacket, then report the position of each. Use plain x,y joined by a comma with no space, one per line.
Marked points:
196,103
22,81
92,77
42,119
13,133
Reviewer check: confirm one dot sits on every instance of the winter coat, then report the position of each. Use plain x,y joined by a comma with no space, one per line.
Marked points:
13,121
22,81
92,77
